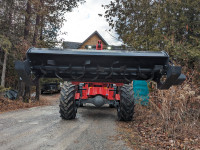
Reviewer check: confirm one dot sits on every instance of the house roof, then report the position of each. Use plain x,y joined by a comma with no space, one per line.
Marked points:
72,45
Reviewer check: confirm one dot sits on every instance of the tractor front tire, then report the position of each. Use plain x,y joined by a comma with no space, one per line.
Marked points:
126,108
67,105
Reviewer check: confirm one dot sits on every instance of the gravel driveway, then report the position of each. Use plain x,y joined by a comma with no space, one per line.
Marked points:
42,128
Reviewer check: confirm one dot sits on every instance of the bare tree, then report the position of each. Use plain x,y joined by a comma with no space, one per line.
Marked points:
5,45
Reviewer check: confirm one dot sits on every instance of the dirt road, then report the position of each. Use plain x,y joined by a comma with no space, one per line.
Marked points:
42,128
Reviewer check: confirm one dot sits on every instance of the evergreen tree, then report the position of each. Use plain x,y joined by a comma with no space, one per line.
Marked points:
171,25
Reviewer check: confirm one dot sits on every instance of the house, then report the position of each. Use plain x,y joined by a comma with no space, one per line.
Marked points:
91,40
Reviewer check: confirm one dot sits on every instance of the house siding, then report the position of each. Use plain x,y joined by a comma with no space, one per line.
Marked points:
92,41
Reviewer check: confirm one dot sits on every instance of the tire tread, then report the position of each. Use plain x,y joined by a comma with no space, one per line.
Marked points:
67,101
126,107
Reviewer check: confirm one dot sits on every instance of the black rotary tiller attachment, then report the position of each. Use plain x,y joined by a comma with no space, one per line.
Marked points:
99,66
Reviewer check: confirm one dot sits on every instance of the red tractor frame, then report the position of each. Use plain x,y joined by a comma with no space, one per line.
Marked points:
90,90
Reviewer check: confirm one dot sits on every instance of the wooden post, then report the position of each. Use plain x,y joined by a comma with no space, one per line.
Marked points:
37,95
26,95
20,88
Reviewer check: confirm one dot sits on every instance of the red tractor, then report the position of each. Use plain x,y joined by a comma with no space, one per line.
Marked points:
98,76
97,93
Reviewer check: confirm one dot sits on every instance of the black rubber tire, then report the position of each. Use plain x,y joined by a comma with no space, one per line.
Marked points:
67,105
125,110
81,104
111,106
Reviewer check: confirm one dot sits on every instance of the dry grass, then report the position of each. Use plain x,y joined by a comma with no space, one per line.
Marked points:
171,121
10,105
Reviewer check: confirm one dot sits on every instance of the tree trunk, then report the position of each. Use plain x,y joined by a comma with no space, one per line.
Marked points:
41,20
4,70
26,95
41,28
35,37
27,20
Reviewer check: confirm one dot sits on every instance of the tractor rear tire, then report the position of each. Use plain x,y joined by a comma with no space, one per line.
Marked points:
125,109
81,104
67,105
111,105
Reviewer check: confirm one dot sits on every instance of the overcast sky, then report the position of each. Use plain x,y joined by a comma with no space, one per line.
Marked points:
84,20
